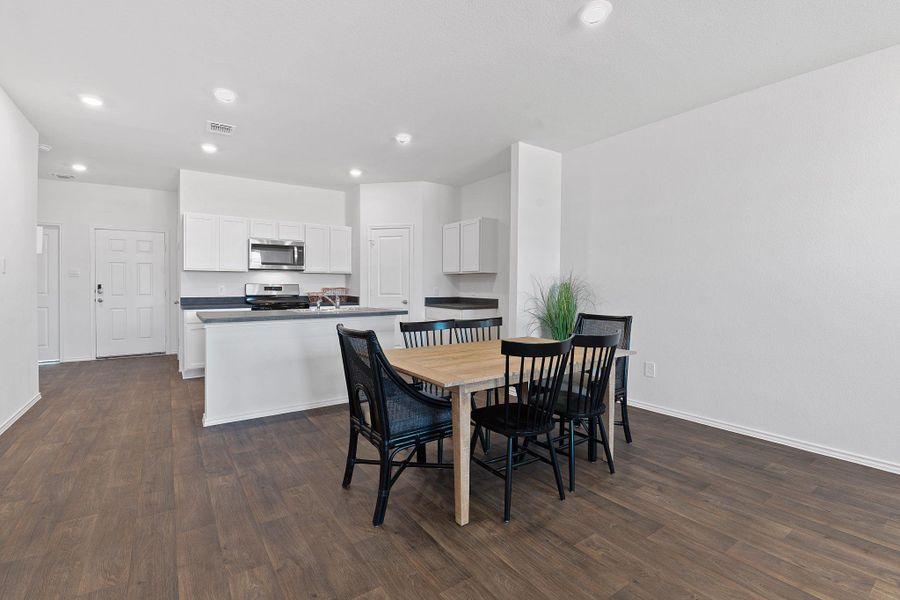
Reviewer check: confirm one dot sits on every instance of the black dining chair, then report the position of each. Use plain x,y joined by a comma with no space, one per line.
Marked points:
387,411
581,397
535,371
420,334
604,324
479,330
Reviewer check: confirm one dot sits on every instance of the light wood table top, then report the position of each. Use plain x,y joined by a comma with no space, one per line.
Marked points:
453,365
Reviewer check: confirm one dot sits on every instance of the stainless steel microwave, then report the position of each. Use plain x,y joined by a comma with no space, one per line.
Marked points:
276,255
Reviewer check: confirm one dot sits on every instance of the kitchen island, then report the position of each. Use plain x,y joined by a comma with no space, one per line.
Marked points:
269,362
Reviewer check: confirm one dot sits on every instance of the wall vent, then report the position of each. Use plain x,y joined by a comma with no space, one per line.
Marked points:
63,176
219,128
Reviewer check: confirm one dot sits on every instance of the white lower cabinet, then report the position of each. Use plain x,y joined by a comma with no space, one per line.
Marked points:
193,342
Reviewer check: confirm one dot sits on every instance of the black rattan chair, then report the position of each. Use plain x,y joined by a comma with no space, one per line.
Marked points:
479,330
601,325
535,371
387,411
581,398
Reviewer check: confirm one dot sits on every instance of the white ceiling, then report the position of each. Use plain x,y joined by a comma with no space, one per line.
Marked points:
324,86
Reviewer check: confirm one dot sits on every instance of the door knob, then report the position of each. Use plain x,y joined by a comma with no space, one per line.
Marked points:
100,300
404,302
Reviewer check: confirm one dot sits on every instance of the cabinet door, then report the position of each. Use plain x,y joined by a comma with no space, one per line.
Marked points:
194,346
290,231
341,241
233,250
261,229
201,242
470,246
451,248
317,249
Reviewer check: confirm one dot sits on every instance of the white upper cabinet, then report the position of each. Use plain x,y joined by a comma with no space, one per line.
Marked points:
214,243
220,243
470,246
341,249
318,248
201,242
233,246
451,248
292,232
266,230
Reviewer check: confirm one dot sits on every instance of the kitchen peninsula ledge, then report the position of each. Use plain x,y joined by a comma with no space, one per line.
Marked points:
270,362
238,316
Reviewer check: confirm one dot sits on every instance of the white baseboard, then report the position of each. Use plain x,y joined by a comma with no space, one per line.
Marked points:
875,463
273,411
78,359
8,423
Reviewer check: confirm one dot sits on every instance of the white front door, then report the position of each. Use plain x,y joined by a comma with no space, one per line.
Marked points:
389,254
48,295
130,292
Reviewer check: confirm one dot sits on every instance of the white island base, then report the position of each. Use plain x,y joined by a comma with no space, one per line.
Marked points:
264,367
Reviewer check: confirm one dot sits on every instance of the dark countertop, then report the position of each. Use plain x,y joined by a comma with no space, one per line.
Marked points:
214,302
220,302
294,315
461,303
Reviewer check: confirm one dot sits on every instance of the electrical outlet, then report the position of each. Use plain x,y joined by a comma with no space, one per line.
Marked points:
649,369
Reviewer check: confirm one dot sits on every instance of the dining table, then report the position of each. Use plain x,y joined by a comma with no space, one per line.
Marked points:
464,369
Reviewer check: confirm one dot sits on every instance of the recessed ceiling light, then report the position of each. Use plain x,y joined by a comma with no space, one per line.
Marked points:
45,147
224,95
355,172
596,12
209,148
92,101
79,168
403,138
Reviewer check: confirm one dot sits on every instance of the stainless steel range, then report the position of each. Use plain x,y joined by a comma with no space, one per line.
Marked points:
274,296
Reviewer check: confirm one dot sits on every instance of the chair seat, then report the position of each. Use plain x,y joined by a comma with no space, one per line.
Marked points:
511,420
574,405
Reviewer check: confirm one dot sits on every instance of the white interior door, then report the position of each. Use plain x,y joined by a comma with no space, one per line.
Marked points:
389,254
48,296
130,292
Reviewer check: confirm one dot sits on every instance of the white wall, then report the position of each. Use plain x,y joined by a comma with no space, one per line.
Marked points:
18,252
78,208
489,198
254,198
756,241
425,206
535,218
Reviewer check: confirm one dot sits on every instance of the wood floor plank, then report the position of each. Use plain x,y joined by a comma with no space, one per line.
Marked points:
111,488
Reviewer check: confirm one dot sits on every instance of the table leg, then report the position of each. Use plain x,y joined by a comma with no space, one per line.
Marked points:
462,434
611,409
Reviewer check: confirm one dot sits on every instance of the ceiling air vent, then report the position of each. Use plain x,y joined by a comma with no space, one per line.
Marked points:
63,176
219,128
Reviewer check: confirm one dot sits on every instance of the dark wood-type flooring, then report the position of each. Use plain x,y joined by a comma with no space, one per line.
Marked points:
110,488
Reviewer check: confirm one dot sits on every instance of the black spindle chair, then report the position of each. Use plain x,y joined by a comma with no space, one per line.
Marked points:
387,411
479,330
605,324
420,334
581,397
535,371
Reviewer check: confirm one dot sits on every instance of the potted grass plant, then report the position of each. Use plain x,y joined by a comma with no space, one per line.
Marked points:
555,306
